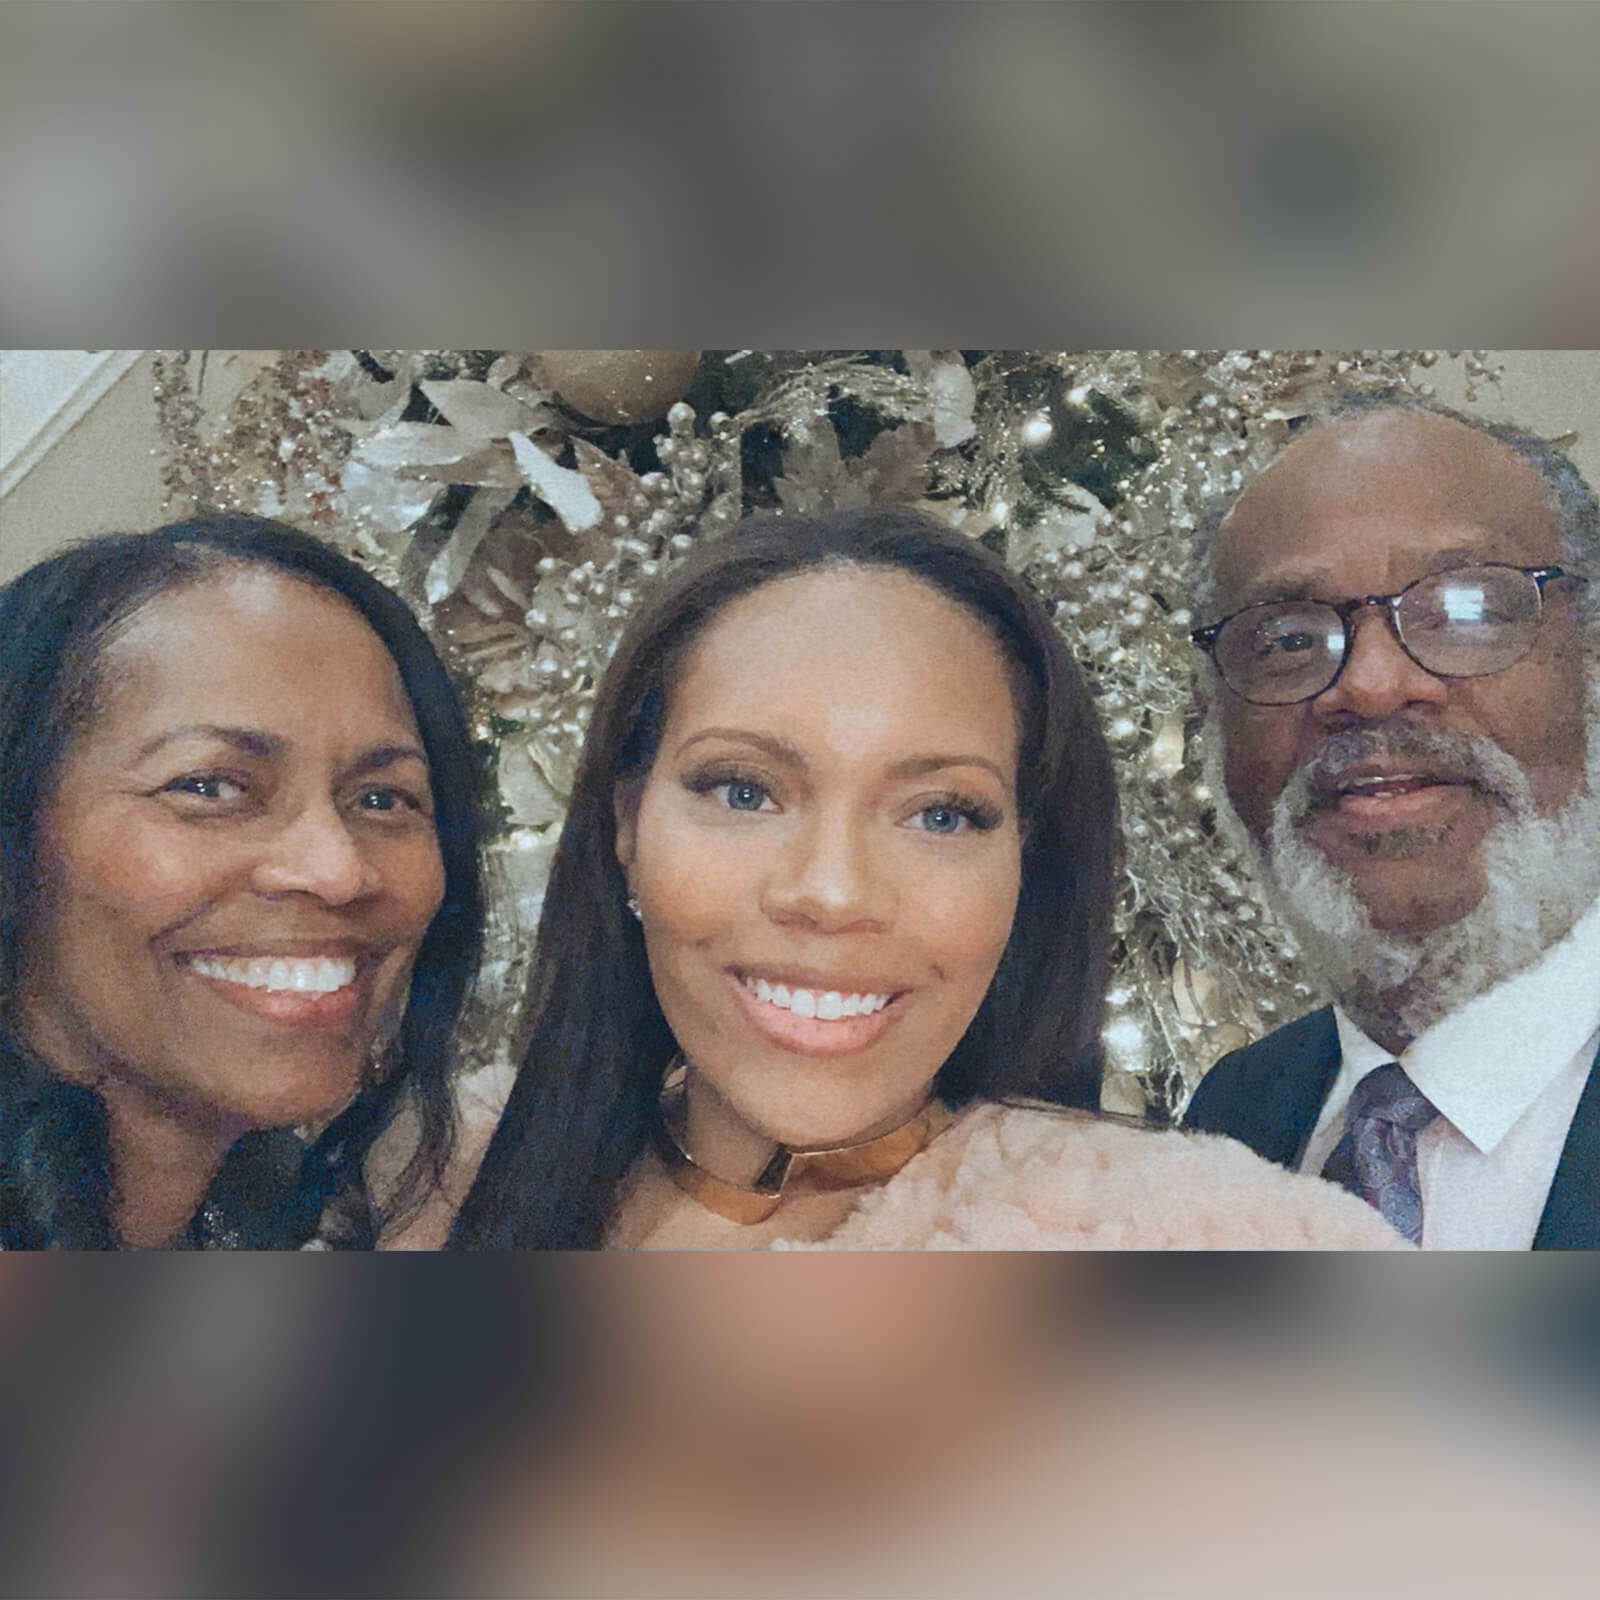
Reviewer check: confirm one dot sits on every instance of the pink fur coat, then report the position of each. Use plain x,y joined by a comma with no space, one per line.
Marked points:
1016,1178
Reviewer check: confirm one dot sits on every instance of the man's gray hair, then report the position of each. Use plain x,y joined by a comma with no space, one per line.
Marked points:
1577,511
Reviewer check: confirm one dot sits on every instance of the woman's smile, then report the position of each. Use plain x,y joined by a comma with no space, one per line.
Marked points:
314,989
815,1018
820,757
241,868
246,888
826,852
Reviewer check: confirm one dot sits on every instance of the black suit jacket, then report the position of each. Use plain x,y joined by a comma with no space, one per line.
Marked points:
1269,1096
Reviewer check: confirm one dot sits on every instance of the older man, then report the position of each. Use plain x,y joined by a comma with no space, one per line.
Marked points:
1403,704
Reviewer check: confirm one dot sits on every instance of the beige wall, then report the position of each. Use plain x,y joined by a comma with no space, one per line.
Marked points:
1551,392
105,473
103,476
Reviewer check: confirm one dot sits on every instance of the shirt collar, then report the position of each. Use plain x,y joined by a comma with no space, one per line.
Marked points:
1484,1065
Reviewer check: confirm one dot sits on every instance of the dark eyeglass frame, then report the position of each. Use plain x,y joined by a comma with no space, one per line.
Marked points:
1345,610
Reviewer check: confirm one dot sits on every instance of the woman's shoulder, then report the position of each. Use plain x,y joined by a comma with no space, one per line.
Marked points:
1035,1177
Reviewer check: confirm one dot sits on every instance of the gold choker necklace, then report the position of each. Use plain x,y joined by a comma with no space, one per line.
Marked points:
839,1166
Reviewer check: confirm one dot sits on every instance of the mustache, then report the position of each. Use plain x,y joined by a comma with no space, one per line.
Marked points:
1446,754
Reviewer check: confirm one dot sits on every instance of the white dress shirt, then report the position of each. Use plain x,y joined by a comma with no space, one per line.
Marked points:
1505,1072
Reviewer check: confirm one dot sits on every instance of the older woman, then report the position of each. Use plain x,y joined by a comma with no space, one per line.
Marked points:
239,891
824,947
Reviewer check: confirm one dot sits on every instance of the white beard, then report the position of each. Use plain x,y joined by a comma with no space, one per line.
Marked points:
1541,874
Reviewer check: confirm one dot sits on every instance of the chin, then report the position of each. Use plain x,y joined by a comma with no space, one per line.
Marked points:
801,1130
1408,942
806,1121
294,1105
1416,899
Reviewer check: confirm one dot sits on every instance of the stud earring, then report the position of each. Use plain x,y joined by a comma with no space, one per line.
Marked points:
633,906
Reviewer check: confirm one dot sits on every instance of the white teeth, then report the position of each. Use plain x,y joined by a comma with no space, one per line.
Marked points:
1381,778
830,1005
317,975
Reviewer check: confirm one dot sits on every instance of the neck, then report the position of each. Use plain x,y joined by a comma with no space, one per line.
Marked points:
719,1140
163,1158
1380,1019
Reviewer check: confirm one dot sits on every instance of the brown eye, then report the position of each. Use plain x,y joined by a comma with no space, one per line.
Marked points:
385,799
205,786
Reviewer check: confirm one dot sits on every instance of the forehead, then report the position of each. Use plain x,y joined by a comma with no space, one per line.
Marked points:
249,647
849,650
1380,500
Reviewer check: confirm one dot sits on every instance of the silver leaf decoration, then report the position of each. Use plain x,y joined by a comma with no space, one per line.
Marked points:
449,567
566,492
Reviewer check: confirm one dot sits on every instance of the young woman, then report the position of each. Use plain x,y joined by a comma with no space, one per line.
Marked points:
831,902
239,892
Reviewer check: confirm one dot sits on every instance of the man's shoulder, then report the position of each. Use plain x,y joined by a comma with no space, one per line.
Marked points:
1311,1037
1269,1093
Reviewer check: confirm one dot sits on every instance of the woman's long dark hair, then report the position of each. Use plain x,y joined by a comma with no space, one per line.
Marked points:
55,619
598,1043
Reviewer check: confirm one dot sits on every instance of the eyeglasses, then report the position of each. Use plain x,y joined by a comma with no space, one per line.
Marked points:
1464,623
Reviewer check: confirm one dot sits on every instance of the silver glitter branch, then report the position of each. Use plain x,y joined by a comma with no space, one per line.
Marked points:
526,534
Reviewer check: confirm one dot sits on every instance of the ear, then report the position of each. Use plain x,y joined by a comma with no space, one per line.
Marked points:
625,814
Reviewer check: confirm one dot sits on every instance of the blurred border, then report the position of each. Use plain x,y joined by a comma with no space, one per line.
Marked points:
188,173
814,176
320,1425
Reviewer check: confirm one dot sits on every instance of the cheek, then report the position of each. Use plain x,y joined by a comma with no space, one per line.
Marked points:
695,879
107,895
1538,717
413,874
1259,757
131,881
965,911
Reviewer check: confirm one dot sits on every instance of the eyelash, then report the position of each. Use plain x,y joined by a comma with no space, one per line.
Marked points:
979,816
729,778
404,796
189,785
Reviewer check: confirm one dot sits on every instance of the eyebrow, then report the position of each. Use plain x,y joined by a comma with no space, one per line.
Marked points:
1284,586
778,749
260,745
1304,585
386,755
250,741
790,755
917,766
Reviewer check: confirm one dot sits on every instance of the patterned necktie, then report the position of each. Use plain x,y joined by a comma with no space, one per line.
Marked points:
1377,1157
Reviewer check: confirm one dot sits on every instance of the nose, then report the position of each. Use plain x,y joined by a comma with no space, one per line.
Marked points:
314,853
1379,678
830,879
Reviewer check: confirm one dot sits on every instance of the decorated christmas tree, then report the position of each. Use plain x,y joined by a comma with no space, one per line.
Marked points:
526,502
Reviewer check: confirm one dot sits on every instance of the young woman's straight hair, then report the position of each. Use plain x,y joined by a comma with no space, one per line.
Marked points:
55,621
597,1042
